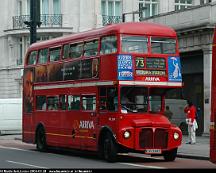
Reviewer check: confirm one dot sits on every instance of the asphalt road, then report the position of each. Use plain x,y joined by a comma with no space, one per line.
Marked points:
15,154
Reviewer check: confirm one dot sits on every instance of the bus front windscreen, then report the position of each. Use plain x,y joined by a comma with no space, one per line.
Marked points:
141,99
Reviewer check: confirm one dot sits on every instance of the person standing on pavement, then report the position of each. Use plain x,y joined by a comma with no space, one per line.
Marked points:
190,111
168,113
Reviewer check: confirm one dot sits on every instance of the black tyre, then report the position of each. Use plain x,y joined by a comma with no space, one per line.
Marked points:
170,155
109,148
41,144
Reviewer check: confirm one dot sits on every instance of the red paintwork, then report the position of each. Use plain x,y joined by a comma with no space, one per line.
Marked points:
59,124
213,104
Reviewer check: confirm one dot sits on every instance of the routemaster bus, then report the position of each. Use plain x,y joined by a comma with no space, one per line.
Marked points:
103,90
213,104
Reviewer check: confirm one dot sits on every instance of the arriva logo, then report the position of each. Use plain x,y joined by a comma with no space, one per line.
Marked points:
152,79
86,124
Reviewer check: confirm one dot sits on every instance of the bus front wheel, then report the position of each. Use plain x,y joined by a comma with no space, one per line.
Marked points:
170,155
109,149
41,139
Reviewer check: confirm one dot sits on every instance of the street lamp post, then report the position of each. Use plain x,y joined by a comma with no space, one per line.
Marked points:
34,20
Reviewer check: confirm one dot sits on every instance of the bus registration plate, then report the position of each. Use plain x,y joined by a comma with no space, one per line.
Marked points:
153,151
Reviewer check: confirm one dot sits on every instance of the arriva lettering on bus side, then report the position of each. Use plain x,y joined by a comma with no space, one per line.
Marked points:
86,125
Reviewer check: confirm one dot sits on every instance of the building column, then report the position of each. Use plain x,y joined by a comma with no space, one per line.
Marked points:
207,66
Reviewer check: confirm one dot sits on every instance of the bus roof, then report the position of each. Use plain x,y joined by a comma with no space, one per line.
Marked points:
139,28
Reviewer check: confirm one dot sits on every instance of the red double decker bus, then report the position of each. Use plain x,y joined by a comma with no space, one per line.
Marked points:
103,90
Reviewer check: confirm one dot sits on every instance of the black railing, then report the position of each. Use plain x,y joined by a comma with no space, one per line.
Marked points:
111,19
47,20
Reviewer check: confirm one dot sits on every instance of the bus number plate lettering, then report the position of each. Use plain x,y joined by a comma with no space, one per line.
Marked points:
153,151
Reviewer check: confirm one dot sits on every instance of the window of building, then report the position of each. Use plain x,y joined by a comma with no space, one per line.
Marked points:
32,58
136,44
20,9
43,56
45,7
73,102
56,7
182,4
148,8
41,103
108,45
55,54
19,59
89,103
91,48
52,103
202,2
111,8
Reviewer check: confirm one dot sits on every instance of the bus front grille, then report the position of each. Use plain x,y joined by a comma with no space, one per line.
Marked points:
146,138
149,139
160,138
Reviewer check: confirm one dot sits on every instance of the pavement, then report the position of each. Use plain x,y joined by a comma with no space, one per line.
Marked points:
200,150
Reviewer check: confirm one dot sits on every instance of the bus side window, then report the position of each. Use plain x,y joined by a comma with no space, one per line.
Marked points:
108,99
66,51
91,48
43,56
108,45
76,50
41,103
73,102
63,102
89,103
32,58
55,54
52,103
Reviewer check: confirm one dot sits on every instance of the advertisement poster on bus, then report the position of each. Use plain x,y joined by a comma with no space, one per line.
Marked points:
28,89
174,69
125,67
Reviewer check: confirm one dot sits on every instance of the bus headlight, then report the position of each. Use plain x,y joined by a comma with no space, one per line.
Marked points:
176,136
127,134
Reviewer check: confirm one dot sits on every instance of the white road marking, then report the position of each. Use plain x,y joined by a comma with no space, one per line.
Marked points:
143,166
26,164
13,148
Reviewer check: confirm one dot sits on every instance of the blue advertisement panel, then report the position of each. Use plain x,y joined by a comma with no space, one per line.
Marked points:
174,69
125,67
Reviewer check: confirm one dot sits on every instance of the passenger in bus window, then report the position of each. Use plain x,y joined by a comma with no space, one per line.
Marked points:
126,103
51,104
44,106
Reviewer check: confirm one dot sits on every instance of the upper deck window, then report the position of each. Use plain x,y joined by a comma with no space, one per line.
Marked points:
108,45
134,44
43,56
163,45
91,48
55,54
76,50
32,58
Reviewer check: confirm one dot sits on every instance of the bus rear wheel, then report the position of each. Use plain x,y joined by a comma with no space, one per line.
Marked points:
109,148
41,144
170,155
